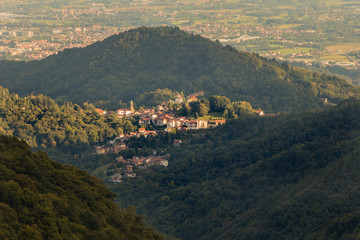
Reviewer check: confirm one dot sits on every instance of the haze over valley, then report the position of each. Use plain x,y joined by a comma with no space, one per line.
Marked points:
179,119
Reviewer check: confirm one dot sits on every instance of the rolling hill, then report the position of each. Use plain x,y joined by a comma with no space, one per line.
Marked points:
122,67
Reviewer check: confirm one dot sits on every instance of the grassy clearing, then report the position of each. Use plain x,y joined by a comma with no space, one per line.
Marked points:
335,58
275,46
9,1
242,19
334,3
103,169
344,47
54,23
278,17
288,26
295,50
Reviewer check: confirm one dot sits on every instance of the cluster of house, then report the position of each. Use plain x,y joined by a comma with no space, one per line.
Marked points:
163,116
144,161
115,146
193,124
168,120
128,165
118,144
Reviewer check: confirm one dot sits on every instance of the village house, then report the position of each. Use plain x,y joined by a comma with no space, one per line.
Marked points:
136,161
259,113
123,112
115,178
196,94
148,161
130,175
100,111
101,150
144,121
177,122
179,100
177,142
160,121
159,108
196,124
168,129
119,146
159,161
148,132
129,168
324,100
120,159
153,116
192,99
215,123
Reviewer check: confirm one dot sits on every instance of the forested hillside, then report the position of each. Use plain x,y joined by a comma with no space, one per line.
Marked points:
292,176
42,122
41,199
145,59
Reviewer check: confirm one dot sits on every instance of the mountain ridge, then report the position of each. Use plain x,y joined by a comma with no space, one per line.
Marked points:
128,64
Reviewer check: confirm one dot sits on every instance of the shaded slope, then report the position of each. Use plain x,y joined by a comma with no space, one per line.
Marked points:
144,59
41,199
286,177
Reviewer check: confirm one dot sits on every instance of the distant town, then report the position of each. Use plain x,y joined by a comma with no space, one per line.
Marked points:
277,34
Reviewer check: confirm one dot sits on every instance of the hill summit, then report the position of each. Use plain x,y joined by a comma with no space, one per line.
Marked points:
144,59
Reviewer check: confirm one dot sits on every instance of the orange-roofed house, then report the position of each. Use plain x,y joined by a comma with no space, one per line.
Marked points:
215,123
192,99
100,111
259,113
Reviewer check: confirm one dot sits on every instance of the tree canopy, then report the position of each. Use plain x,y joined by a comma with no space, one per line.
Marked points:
42,122
41,199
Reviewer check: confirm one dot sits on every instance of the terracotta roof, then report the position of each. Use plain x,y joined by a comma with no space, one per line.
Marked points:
100,111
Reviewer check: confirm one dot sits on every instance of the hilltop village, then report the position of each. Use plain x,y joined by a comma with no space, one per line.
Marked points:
162,118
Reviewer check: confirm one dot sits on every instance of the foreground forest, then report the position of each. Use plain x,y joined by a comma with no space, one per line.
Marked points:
293,176
124,66
41,199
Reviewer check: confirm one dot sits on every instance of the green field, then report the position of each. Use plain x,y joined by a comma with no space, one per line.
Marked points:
101,169
287,51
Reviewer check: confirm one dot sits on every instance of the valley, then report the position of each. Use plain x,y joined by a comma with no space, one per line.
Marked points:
203,140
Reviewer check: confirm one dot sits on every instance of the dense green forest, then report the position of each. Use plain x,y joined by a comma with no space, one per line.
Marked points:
126,65
43,123
292,176
350,75
154,98
41,199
